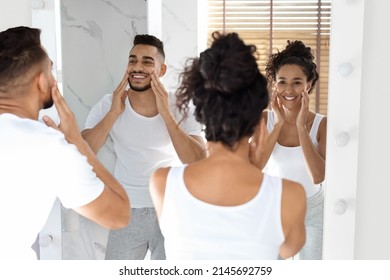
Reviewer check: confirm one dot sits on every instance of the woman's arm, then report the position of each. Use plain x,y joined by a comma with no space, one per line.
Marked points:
157,184
314,157
293,218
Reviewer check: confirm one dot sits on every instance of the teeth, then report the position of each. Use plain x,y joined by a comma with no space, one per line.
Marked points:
139,76
289,97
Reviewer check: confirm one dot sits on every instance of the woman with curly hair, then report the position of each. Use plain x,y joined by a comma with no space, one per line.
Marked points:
296,145
223,206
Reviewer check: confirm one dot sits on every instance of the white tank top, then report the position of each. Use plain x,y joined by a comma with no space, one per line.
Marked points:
196,230
288,162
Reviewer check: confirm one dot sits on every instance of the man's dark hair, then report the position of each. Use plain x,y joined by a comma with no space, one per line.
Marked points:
150,40
20,51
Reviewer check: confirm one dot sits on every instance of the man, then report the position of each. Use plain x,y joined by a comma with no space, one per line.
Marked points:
146,134
39,162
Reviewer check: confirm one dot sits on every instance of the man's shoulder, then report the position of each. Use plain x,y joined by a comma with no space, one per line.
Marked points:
171,98
107,98
173,106
32,133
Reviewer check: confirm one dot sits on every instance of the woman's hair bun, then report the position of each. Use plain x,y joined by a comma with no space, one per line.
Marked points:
228,67
298,49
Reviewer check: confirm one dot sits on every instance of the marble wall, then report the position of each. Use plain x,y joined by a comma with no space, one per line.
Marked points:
180,33
96,38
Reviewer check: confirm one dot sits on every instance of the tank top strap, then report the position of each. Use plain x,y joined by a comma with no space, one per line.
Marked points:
174,182
270,121
313,131
314,128
272,183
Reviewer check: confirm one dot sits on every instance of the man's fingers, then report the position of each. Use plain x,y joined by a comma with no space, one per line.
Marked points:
59,101
125,80
49,122
124,95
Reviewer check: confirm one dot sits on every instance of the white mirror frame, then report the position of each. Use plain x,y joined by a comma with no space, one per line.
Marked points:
345,90
345,69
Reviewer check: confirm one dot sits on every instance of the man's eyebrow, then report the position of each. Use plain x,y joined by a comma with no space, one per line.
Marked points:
148,57
144,57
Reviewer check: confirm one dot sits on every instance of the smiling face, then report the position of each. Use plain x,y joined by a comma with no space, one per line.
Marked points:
143,60
290,82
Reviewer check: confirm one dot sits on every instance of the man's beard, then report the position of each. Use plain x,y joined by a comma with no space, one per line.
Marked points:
139,89
48,103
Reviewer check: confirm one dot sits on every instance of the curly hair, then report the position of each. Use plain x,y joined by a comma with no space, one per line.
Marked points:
227,89
20,51
295,53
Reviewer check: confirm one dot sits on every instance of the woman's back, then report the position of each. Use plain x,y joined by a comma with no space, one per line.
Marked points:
223,207
221,225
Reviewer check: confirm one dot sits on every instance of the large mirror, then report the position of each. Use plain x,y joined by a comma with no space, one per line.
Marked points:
94,47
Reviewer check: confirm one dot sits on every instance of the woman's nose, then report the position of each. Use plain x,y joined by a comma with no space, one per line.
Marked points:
288,89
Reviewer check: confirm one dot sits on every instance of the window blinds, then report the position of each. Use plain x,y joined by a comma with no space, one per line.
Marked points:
268,24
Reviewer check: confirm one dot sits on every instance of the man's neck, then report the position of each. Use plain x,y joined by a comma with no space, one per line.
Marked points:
19,109
144,103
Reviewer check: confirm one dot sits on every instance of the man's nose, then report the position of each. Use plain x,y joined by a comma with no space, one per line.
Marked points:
136,67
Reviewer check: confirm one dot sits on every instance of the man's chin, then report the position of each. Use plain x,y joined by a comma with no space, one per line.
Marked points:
140,89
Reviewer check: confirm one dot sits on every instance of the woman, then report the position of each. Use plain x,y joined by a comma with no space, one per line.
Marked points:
296,145
224,207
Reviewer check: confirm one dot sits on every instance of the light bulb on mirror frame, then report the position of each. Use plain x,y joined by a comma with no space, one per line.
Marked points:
345,69
37,4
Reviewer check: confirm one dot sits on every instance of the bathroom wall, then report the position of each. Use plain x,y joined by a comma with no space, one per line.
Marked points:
182,34
96,39
13,13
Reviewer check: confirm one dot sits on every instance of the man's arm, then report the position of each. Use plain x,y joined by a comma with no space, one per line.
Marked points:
189,148
112,208
97,136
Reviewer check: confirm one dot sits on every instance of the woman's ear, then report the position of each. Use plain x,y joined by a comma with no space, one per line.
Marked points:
308,86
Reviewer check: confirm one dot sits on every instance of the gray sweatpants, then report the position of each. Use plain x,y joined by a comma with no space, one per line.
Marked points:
312,250
134,241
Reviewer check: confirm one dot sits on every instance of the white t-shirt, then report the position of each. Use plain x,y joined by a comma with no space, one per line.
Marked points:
288,162
141,145
37,165
197,230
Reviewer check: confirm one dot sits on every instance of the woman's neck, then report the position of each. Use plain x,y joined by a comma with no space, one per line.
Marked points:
240,149
291,115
